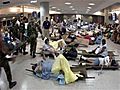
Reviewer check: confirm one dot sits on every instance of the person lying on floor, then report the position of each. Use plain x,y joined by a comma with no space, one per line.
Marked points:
98,38
95,62
59,44
75,39
62,68
107,61
100,50
43,68
48,48
54,46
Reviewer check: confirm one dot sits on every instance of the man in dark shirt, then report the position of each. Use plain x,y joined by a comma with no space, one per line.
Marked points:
22,36
46,27
4,63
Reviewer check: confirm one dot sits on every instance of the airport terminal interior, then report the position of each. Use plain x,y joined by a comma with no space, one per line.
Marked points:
59,44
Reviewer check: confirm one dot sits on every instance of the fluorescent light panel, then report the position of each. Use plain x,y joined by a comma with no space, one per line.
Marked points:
89,7
71,6
91,4
58,9
33,1
53,7
67,3
73,9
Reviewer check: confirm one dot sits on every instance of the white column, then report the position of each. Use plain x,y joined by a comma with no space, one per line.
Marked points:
44,11
107,13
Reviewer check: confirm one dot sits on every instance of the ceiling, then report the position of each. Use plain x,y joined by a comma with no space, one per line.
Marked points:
80,6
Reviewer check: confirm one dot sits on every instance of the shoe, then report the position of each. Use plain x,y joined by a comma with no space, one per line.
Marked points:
34,72
12,84
30,54
34,56
25,53
15,53
81,58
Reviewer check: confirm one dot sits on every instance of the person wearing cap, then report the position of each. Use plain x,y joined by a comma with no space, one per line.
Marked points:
46,27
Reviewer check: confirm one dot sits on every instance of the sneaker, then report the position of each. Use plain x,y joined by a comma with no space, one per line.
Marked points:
25,53
34,56
82,59
12,84
34,72
30,54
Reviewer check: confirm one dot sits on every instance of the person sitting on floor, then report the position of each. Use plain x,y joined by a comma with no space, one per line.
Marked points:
48,47
99,38
101,50
43,68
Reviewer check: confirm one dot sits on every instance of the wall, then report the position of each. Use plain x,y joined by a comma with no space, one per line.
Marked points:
87,18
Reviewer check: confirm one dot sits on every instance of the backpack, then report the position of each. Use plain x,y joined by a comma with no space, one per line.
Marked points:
114,63
70,53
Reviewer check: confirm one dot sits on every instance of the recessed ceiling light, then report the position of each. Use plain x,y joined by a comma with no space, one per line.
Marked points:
67,3
76,11
53,7
91,4
33,1
58,9
89,7
73,9
71,6
4,18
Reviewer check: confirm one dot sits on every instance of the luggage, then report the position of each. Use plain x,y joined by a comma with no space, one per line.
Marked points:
70,53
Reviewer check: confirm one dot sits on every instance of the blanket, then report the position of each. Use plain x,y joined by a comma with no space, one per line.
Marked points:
61,63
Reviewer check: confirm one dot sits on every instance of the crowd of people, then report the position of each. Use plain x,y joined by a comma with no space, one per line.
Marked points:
68,36
113,32
13,40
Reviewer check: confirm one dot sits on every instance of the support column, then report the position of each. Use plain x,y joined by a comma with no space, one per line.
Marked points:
107,13
23,10
44,11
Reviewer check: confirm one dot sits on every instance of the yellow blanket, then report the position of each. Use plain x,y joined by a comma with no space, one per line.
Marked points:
54,44
61,63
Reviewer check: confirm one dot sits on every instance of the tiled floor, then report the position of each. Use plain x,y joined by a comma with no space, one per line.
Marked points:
108,80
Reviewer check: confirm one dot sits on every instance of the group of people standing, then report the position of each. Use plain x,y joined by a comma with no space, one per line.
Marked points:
14,39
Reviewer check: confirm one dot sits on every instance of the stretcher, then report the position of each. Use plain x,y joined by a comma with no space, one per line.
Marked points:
114,66
92,67
81,69
87,54
104,67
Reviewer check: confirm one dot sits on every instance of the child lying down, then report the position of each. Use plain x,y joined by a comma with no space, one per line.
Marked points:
60,69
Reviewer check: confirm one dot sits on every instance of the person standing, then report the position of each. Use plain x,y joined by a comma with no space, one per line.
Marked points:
22,36
4,62
46,27
32,34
